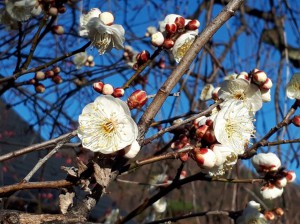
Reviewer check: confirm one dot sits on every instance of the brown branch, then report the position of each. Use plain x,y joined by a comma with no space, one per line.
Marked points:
184,64
36,147
6,190
251,151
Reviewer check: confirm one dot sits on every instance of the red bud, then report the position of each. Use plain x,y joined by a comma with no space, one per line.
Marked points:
296,120
171,28
57,79
40,88
118,92
193,24
137,99
180,22
98,86
168,43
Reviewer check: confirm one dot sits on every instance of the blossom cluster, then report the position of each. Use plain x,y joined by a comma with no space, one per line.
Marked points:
269,165
175,34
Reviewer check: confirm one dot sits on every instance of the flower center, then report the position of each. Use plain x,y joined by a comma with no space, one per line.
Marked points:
108,126
101,41
184,48
239,95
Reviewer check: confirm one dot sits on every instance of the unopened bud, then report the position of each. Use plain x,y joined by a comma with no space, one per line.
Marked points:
278,211
183,174
49,73
132,150
98,86
259,77
205,157
57,79
243,75
215,95
157,39
296,120
290,176
267,84
168,43
200,132
31,81
184,156
281,182
107,18
193,24
40,75
143,57
53,11
171,28
107,89
137,99
56,69
269,215
161,63
91,64
210,137
118,92
90,58
39,88
135,66
59,30
180,22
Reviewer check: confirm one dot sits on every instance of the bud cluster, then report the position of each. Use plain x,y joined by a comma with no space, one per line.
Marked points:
269,165
141,58
52,74
271,215
108,89
172,30
264,83
181,142
53,7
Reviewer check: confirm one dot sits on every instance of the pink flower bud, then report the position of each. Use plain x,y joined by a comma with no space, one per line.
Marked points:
259,77
32,81
200,132
205,157
180,22
161,63
184,156
59,30
53,11
290,176
49,73
57,79
118,92
39,88
183,174
269,215
296,120
107,18
143,57
98,86
171,28
243,75
267,84
215,95
278,211
168,43
281,182
266,162
137,99
210,137
157,39
193,24
107,89
40,75
56,69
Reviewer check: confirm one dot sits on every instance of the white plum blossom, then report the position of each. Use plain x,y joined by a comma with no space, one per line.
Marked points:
243,91
206,93
22,10
293,87
182,45
104,37
80,59
266,162
270,191
233,127
160,205
226,158
106,125
251,215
